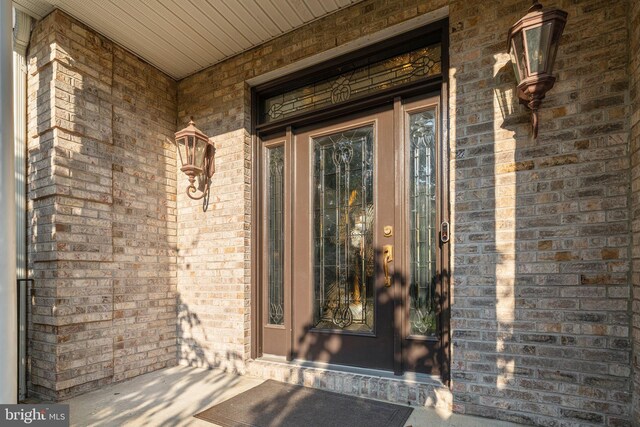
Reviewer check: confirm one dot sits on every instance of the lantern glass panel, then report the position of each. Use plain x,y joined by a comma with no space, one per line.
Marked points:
555,40
190,150
538,40
517,57
182,150
201,148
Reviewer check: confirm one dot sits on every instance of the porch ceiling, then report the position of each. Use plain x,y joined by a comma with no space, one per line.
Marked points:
184,36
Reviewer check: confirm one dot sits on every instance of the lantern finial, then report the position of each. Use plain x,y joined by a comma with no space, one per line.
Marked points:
535,6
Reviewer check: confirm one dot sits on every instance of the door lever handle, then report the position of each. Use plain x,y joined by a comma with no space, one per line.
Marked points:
387,257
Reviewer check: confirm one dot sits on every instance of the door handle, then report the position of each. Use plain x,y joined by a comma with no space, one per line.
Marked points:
387,257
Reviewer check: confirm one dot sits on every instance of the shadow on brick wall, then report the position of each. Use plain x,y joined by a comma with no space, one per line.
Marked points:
192,349
194,346
474,323
40,369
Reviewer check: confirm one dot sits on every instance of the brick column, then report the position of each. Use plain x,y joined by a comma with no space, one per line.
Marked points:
8,297
101,211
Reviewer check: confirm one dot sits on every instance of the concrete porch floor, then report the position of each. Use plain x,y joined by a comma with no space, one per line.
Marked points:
170,397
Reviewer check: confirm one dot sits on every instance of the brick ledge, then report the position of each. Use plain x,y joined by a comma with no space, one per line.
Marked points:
410,389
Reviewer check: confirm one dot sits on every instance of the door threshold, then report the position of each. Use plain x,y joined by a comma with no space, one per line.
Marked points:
407,377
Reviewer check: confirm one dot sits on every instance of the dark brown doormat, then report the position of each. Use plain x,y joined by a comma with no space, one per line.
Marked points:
277,404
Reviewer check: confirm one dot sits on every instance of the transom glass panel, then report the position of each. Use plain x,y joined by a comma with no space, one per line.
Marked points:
405,68
343,263
422,223
275,198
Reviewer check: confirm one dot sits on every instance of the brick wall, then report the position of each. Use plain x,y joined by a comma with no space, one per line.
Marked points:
102,211
540,266
540,272
541,245
634,72
540,316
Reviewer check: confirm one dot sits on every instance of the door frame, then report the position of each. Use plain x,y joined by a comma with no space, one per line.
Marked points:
437,85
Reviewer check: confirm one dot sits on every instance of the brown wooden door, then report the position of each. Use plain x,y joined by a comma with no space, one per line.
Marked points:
362,258
344,195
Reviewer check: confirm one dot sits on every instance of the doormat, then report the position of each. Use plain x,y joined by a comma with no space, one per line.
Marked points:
273,403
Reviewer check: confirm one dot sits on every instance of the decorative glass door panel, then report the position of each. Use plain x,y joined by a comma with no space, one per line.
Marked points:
422,223
275,215
343,231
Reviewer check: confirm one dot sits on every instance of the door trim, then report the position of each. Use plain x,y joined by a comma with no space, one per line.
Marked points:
445,214
398,295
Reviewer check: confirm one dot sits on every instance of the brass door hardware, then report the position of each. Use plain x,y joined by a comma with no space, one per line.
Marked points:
388,231
387,257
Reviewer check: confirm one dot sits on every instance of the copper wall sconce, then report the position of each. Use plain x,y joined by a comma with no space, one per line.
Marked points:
197,155
533,44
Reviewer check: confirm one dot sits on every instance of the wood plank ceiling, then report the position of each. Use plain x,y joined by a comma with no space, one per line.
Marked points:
181,37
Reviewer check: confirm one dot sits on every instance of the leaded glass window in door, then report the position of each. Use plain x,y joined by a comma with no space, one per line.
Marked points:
275,218
343,262
422,223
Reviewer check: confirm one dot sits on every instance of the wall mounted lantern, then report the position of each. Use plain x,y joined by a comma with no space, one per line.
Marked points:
533,44
196,156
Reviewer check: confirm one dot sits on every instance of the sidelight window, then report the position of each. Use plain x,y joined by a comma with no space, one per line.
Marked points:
422,223
275,200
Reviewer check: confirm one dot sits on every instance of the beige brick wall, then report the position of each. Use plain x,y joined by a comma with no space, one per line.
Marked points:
102,211
540,320
541,265
634,72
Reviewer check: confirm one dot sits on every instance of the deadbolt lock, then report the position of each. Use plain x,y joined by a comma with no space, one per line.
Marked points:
388,231
445,233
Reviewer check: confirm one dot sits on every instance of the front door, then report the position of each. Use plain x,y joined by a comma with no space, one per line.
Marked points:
345,192
353,240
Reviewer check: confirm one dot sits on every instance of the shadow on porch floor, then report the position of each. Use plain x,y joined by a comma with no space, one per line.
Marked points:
170,397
